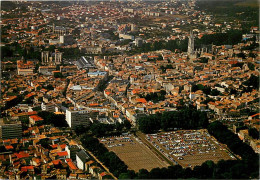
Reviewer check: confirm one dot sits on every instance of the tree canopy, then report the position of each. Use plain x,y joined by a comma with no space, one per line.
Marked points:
58,120
110,159
186,118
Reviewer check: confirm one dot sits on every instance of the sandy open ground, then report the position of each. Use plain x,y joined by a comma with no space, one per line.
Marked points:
133,152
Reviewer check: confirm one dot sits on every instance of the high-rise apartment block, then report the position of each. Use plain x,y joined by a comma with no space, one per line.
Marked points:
76,118
10,129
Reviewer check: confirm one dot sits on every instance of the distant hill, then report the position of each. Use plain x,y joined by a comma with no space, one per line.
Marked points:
7,5
246,11
216,5
248,3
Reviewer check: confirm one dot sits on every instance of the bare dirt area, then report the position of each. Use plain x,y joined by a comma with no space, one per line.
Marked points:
133,152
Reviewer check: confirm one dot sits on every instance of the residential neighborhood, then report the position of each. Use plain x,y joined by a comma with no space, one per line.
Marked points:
127,79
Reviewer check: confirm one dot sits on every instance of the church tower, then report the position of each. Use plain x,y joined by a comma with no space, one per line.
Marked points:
53,27
191,44
191,54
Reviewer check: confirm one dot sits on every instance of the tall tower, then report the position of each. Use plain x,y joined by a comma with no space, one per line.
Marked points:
53,27
191,44
57,57
45,57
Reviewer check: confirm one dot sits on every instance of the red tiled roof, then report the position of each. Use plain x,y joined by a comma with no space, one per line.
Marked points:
37,160
233,62
54,146
257,114
56,162
63,146
63,153
103,174
21,154
6,140
69,160
135,91
32,113
3,157
142,100
25,168
107,92
16,163
94,105
7,147
72,165
30,95
36,118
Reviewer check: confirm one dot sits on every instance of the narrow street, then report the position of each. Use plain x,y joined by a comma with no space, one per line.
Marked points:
96,159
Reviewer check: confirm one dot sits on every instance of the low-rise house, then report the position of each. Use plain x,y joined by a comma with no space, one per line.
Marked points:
62,174
63,155
104,175
88,164
73,176
94,170
35,119
255,144
243,135
48,107
72,166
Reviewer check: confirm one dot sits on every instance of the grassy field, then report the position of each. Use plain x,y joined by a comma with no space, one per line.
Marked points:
133,152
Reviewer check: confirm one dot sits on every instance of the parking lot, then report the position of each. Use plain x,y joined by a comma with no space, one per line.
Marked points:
133,152
189,147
